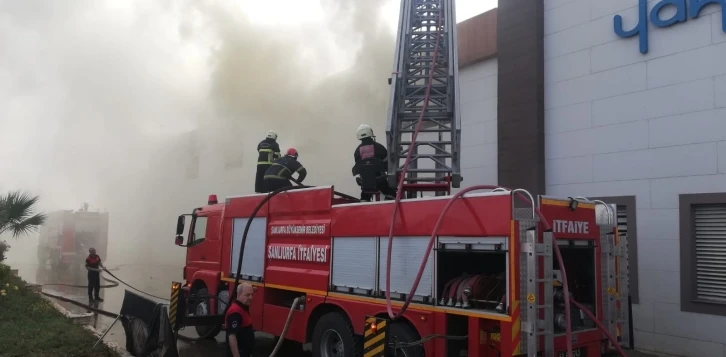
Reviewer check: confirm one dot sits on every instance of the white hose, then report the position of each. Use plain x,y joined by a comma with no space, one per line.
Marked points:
287,325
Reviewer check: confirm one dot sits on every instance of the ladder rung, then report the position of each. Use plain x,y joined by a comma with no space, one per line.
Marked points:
442,130
429,170
426,142
425,156
425,179
418,87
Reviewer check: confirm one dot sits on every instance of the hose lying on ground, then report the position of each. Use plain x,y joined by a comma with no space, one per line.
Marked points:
101,311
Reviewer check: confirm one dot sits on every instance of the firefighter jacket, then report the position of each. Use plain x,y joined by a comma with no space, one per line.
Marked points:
268,151
284,167
369,149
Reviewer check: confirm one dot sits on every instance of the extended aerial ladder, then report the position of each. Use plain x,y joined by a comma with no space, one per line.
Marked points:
426,34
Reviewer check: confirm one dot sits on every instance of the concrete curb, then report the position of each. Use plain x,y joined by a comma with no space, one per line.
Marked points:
76,319
86,320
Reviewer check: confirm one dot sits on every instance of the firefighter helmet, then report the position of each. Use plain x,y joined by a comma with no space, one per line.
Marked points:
291,152
365,131
272,134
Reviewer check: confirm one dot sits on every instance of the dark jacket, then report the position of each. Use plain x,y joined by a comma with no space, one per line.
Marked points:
268,151
284,167
368,149
238,322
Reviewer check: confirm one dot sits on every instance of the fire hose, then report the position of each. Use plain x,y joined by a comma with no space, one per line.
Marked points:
399,192
104,312
296,302
278,345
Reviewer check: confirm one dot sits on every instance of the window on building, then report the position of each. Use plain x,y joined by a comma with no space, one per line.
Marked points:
703,253
628,229
192,169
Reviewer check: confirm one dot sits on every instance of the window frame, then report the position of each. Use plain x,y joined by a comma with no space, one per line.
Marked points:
193,230
689,296
631,212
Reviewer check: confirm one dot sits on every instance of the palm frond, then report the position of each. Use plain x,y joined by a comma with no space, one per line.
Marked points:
17,213
27,225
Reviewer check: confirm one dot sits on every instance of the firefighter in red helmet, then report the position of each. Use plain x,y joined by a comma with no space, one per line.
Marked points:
280,172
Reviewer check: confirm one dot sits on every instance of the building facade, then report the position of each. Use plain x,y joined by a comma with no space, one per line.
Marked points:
563,102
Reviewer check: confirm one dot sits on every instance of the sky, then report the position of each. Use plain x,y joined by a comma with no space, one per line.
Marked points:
117,103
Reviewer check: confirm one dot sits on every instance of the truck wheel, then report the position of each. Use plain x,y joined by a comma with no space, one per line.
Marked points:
403,332
202,309
333,336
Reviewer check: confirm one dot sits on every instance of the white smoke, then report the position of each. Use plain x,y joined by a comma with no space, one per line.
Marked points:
143,108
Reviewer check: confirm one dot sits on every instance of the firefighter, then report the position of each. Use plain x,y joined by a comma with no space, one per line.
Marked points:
238,322
93,265
280,172
369,149
268,151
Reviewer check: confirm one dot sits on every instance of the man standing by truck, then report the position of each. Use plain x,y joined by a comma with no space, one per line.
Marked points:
268,151
93,265
238,323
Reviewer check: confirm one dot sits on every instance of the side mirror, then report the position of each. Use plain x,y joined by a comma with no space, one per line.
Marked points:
179,240
180,225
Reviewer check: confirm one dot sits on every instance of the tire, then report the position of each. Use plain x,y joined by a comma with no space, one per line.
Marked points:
140,335
403,332
333,336
205,331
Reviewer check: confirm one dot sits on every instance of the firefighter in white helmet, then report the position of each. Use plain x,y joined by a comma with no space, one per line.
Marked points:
367,150
268,151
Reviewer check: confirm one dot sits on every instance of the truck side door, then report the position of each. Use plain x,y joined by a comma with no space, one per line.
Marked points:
204,245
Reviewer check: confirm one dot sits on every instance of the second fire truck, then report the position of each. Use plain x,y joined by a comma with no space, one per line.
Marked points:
66,235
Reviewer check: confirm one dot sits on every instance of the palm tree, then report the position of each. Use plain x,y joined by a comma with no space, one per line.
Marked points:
17,213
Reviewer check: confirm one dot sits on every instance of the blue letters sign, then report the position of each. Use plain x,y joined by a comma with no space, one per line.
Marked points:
682,13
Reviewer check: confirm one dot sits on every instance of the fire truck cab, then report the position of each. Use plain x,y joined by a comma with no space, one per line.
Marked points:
489,287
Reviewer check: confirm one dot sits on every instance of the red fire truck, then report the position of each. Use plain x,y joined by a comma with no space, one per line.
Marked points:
487,281
66,235
490,286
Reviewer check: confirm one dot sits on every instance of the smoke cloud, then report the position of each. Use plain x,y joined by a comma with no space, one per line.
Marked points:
143,108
